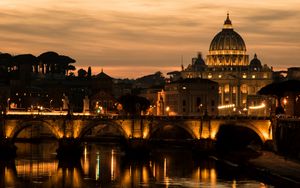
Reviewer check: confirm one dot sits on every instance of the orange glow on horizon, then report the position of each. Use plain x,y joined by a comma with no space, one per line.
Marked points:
133,38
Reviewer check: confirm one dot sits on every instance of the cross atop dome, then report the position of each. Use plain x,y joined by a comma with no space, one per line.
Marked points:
227,23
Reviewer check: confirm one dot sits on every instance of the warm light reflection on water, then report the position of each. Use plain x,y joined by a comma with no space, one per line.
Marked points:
105,166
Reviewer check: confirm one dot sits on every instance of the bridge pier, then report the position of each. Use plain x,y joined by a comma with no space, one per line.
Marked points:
204,146
137,147
69,148
7,149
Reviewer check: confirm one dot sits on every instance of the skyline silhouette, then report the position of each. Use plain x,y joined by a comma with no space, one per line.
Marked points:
136,38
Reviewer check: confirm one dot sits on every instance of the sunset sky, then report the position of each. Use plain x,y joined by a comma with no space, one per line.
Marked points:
137,37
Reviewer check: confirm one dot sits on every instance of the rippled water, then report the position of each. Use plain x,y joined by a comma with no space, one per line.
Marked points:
105,166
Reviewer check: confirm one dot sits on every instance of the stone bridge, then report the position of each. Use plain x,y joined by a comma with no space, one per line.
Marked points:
142,127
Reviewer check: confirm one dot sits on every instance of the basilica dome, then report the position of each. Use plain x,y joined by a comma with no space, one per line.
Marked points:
227,39
227,48
255,62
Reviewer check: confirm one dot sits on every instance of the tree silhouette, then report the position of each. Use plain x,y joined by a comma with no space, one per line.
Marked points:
50,59
24,60
82,73
5,63
56,63
134,104
279,89
70,68
63,64
89,73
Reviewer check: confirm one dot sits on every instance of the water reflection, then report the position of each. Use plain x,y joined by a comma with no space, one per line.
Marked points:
106,166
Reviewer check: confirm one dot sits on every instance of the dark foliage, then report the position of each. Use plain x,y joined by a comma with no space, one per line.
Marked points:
279,88
134,104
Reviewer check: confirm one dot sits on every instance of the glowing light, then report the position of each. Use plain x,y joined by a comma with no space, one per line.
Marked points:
86,162
166,179
145,133
165,167
53,113
112,172
154,171
226,106
85,153
98,167
145,175
284,101
263,105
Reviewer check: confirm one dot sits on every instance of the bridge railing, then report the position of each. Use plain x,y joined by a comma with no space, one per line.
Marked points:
24,114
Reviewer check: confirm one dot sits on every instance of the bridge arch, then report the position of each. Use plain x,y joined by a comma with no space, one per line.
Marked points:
104,125
28,123
164,126
248,125
239,135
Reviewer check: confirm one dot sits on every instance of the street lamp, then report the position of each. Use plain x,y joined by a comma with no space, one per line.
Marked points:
284,104
167,110
50,106
8,99
201,109
284,101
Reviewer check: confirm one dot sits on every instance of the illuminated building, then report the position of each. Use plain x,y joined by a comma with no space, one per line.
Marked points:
228,64
189,97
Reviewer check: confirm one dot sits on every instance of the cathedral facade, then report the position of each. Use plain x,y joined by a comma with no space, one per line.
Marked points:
227,63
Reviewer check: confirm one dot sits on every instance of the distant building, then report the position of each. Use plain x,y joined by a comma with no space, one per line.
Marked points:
293,73
228,64
152,94
189,97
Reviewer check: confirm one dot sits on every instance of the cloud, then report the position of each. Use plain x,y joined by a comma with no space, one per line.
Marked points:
146,33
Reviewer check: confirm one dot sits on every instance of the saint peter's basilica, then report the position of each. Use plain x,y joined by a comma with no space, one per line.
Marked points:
227,63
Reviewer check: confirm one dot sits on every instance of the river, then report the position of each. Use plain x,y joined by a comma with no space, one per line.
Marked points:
105,165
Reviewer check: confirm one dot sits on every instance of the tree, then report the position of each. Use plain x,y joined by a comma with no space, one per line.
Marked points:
27,60
50,59
89,74
5,62
82,73
70,68
24,63
134,104
63,63
279,89
5,59
56,63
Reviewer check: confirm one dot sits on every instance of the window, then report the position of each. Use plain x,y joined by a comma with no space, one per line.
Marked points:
183,103
226,88
233,89
244,88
